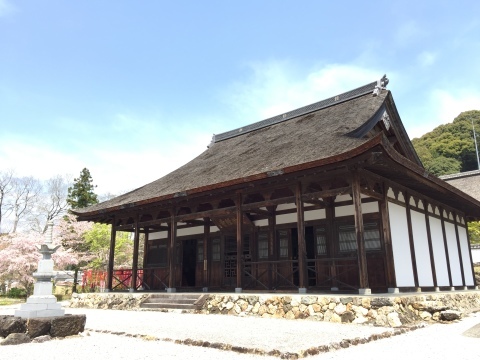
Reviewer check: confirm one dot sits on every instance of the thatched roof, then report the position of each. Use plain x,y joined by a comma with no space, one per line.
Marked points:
328,131
468,182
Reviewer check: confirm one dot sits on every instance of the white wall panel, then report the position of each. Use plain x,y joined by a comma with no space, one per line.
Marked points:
347,210
286,218
453,254
422,252
467,267
400,244
314,215
157,235
438,246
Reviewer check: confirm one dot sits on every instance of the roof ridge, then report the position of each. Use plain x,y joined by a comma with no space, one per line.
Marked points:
460,175
334,100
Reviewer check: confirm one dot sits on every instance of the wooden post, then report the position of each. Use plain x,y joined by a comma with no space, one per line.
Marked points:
239,243
171,253
470,254
460,257
445,244
361,253
136,241
145,249
111,256
430,246
272,247
411,240
302,253
206,236
387,239
330,234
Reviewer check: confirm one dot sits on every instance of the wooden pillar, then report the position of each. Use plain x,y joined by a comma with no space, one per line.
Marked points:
171,252
330,234
460,257
272,247
361,253
206,236
136,240
145,249
470,254
302,253
411,240
445,244
111,256
430,246
239,243
387,239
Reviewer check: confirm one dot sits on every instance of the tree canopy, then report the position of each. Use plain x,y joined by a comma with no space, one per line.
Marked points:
81,194
450,148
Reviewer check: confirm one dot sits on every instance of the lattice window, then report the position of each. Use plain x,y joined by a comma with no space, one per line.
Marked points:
262,245
216,249
347,238
283,243
321,241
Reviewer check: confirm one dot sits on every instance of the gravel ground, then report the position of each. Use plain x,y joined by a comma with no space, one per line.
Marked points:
433,342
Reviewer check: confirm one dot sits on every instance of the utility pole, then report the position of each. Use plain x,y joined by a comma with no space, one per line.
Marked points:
476,147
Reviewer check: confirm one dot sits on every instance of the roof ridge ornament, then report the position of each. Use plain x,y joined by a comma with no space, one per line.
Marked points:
381,85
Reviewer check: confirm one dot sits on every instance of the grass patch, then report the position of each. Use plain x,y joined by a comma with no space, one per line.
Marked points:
10,301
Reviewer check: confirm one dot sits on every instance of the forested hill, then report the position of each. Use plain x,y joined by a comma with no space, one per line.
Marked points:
450,148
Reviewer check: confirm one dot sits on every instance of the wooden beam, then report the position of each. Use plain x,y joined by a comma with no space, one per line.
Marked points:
136,241
445,244
171,251
266,203
272,246
239,240
387,240
359,231
206,236
372,194
326,193
430,245
260,212
411,239
302,253
111,255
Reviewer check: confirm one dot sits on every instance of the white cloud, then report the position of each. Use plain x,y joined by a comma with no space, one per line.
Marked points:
276,87
426,58
6,8
442,107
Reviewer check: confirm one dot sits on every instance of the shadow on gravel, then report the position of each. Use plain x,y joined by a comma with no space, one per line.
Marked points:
473,332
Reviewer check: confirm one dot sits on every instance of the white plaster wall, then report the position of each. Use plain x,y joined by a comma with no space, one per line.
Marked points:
314,214
476,255
157,235
453,254
400,245
438,247
349,210
287,218
422,253
197,230
467,268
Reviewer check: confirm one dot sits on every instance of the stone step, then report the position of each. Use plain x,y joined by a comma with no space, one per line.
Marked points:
169,301
167,306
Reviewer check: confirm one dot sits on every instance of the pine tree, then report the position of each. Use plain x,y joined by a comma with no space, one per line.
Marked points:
81,194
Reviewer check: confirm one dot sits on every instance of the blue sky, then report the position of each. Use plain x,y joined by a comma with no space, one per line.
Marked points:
133,90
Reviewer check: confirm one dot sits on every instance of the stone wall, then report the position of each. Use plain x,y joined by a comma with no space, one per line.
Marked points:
117,301
393,311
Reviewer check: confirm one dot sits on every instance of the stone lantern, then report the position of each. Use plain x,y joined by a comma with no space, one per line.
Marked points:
42,303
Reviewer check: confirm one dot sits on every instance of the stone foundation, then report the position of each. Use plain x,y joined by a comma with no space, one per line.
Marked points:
117,301
15,330
392,311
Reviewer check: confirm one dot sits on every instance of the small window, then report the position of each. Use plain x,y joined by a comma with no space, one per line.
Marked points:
263,245
216,249
199,251
321,239
348,240
157,254
283,242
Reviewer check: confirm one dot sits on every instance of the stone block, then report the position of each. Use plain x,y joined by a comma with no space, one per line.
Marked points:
15,339
38,327
45,299
68,325
10,324
43,288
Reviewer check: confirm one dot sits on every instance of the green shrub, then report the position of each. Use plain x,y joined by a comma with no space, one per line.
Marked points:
16,293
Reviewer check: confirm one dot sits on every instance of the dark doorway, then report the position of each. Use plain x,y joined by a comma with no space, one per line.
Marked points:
189,262
310,248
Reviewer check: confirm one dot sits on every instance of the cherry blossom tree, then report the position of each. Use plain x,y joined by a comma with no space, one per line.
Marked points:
19,257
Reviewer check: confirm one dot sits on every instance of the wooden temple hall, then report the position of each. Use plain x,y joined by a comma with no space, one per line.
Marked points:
327,197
